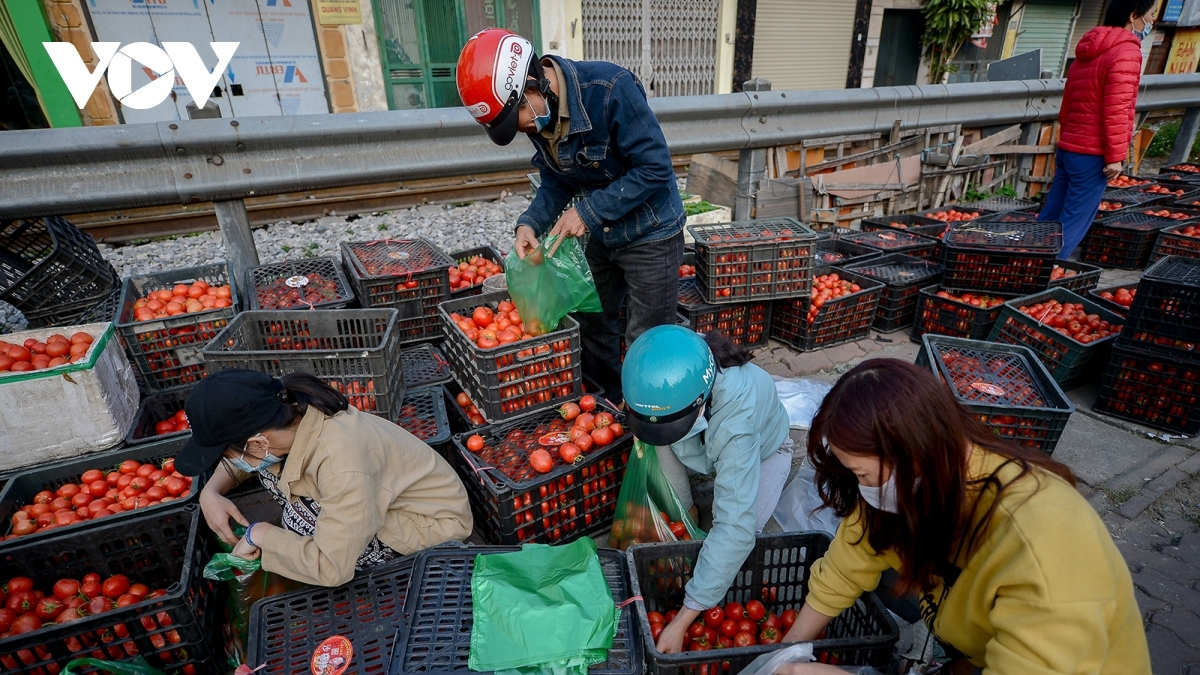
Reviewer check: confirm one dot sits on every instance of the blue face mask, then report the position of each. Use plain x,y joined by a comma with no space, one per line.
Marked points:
1145,33
540,121
242,465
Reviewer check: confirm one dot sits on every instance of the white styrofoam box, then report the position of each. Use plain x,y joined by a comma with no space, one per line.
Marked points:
721,214
67,411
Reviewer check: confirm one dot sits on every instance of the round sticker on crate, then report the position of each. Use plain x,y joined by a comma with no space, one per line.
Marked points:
399,255
332,657
296,281
989,389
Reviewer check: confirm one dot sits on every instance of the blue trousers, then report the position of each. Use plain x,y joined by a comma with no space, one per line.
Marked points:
1078,186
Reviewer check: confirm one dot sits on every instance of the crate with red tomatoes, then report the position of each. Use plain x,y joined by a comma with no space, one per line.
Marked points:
746,324
164,319
897,222
895,241
999,205
411,276
159,417
1166,309
1123,241
1069,333
902,277
1182,240
759,607
308,283
965,315
1000,257
471,268
1074,276
1005,386
423,415
1152,386
1116,299
505,370
356,351
753,260
131,589
841,309
837,252
954,214
549,477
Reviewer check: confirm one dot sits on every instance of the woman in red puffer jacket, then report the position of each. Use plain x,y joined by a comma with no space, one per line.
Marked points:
1096,118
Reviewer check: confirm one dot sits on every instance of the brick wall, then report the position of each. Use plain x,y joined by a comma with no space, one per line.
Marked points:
68,25
331,42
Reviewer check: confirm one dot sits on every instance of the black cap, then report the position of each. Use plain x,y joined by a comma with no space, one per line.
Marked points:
228,406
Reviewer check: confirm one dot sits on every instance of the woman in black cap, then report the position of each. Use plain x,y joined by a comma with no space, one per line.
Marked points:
356,490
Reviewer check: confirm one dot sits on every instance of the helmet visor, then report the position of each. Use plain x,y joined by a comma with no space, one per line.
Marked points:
665,430
503,129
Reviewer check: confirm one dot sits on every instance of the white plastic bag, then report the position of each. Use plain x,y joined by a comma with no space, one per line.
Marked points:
800,508
801,399
801,652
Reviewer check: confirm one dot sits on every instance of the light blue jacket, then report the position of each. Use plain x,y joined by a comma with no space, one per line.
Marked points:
746,424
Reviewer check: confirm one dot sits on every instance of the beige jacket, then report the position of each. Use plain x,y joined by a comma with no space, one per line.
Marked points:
370,477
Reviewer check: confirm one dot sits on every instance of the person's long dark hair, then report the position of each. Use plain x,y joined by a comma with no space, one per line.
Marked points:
903,415
726,353
1119,11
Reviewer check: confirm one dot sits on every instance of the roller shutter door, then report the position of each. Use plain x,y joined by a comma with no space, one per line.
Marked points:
803,45
1046,25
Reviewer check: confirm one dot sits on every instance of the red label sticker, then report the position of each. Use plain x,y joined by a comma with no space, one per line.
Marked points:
332,657
989,389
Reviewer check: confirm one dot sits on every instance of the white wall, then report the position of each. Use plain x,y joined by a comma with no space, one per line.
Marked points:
562,28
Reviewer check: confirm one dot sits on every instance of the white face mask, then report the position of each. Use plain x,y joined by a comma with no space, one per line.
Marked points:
265,463
883,497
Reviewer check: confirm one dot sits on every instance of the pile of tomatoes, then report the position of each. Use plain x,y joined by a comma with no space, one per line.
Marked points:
1110,206
1061,273
953,215
1071,319
472,273
489,328
132,485
731,626
1156,391
469,409
687,271
182,299
589,429
288,292
1188,231
979,300
1122,181
33,354
638,524
1163,190
828,287
174,423
1167,213
358,394
1122,296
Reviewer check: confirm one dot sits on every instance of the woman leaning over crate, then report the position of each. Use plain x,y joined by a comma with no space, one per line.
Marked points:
1015,572
356,490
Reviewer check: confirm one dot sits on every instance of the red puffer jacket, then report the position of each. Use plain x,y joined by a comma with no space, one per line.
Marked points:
1098,104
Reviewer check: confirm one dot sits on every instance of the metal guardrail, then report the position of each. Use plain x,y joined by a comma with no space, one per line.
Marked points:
55,171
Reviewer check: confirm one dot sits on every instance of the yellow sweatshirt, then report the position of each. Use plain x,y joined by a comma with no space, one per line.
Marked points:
1046,592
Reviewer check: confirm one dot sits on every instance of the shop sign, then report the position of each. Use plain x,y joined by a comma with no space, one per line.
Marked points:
337,12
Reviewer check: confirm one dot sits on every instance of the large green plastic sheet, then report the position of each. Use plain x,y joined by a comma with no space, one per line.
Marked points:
546,288
542,610
648,504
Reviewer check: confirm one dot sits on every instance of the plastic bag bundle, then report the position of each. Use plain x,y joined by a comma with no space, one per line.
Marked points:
801,399
800,507
648,509
546,288
801,652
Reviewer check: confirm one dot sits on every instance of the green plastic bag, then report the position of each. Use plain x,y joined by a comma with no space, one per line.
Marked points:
135,666
648,507
546,288
544,609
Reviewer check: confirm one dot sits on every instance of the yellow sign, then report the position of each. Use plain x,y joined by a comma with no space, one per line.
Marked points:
337,12
1185,52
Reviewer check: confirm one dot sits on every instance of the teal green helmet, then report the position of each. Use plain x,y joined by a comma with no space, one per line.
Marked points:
667,376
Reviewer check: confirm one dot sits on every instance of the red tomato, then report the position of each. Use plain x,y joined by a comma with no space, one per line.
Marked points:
22,602
19,584
139,590
482,316
714,617
475,443
744,640
164,427
91,476
788,618
90,589
734,611
175,485
769,636
569,411
130,466
696,630
116,586
25,624
604,419
602,436
729,628
48,608
747,626
541,461
99,605
587,403
6,620
755,610
656,630
569,452
586,421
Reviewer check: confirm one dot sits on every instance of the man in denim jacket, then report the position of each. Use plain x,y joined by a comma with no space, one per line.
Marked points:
597,139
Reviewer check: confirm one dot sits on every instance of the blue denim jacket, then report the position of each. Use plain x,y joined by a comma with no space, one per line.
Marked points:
615,156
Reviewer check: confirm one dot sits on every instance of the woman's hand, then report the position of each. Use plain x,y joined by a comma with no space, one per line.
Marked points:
1112,170
217,512
245,551
671,639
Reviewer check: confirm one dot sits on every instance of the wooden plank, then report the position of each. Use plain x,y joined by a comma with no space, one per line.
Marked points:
865,155
1022,150
1007,136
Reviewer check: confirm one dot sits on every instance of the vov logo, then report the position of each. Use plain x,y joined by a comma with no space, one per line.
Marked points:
173,59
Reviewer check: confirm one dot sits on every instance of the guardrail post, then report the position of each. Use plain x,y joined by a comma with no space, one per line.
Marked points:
1187,135
752,164
239,241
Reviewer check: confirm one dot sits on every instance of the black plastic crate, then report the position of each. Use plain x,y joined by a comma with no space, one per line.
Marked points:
1078,277
1123,241
753,260
902,276
436,638
1126,181
411,276
522,506
1173,241
1005,386
898,222
485,252
954,316
955,214
512,379
1151,386
1183,168
424,415
51,270
424,365
839,252
1131,196
178,633
367,610
1180,214
152,410
1069,361
1000,204
309,283
1027,216
166,353
22,488
836,321
1166,309
775,573
1000,257
104,310
1109,206
895,241
831,232
746,324
682,321
355,351
1095,295
1166,189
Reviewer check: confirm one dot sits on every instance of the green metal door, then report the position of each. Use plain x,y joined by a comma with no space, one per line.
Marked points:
419,42
899,57
1046,25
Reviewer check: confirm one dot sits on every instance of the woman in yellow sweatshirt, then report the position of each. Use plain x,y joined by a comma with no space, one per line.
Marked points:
1015,571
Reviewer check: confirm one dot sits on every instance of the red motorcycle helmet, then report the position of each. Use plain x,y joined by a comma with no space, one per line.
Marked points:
493,71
